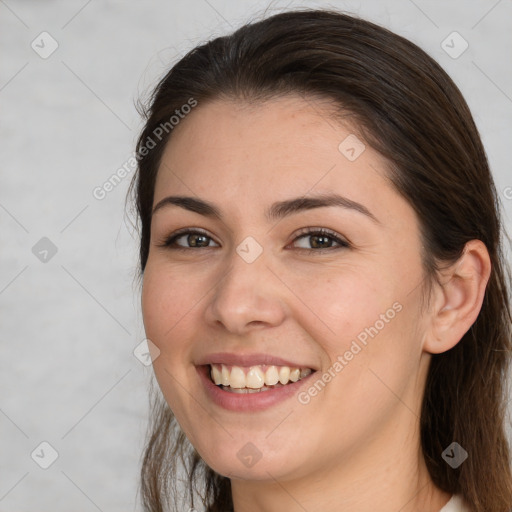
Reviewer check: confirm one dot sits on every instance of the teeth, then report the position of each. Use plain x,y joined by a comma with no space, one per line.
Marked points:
216,375
225,376
294,375
237,378
305,372
284,374
271,376
257,378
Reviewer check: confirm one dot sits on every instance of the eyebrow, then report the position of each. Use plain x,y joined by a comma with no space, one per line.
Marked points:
276,211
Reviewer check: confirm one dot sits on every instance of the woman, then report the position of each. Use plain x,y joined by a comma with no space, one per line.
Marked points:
323,282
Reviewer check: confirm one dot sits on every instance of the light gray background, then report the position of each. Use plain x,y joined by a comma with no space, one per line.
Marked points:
68,326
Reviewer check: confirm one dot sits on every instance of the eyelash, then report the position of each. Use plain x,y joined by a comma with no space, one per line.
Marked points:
169,242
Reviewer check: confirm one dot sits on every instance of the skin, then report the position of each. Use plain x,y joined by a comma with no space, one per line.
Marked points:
356,443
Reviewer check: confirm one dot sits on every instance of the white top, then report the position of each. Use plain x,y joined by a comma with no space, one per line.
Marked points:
456,504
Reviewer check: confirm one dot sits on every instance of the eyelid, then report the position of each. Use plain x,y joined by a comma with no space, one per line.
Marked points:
342,241
168,239
310,231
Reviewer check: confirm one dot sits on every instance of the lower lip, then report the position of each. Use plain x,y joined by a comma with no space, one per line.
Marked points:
242,402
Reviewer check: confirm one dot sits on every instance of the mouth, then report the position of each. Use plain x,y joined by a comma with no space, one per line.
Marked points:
255,378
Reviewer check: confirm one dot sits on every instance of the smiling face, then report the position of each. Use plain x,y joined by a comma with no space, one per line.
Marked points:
259,287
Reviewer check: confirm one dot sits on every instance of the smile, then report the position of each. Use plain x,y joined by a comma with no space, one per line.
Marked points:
243,382
255,379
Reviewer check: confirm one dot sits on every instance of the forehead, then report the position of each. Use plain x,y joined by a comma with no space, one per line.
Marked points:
221,125
285,141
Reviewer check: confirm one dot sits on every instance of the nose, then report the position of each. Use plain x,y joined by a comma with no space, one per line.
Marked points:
248,296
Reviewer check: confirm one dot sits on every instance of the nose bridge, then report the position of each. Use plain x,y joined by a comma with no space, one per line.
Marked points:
248,293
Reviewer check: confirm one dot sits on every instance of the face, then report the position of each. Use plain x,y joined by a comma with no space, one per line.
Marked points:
304,263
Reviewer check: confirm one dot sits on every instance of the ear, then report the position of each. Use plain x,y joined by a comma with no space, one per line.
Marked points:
458,299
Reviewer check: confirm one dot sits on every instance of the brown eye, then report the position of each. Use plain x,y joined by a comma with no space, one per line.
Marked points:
321,239
190,239
196,240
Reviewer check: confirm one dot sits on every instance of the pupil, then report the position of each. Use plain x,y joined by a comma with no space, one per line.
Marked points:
323,240
194,238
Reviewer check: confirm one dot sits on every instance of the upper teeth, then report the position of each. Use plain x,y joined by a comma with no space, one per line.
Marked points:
255,377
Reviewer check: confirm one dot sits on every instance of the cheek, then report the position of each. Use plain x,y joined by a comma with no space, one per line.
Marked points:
366,325
168,298
167,307
343,305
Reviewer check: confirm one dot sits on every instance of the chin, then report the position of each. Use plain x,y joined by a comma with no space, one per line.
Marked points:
245,461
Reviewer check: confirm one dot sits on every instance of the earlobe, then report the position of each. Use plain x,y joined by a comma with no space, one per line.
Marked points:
458,299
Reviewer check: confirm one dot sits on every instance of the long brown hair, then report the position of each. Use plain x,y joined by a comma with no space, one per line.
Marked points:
410,111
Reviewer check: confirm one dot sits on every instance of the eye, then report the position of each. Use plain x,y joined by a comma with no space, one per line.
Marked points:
192,238
321,238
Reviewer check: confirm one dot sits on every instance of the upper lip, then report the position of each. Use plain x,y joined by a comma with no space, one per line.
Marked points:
249,360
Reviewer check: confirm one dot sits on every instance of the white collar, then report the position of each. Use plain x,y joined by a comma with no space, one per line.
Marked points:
456,504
